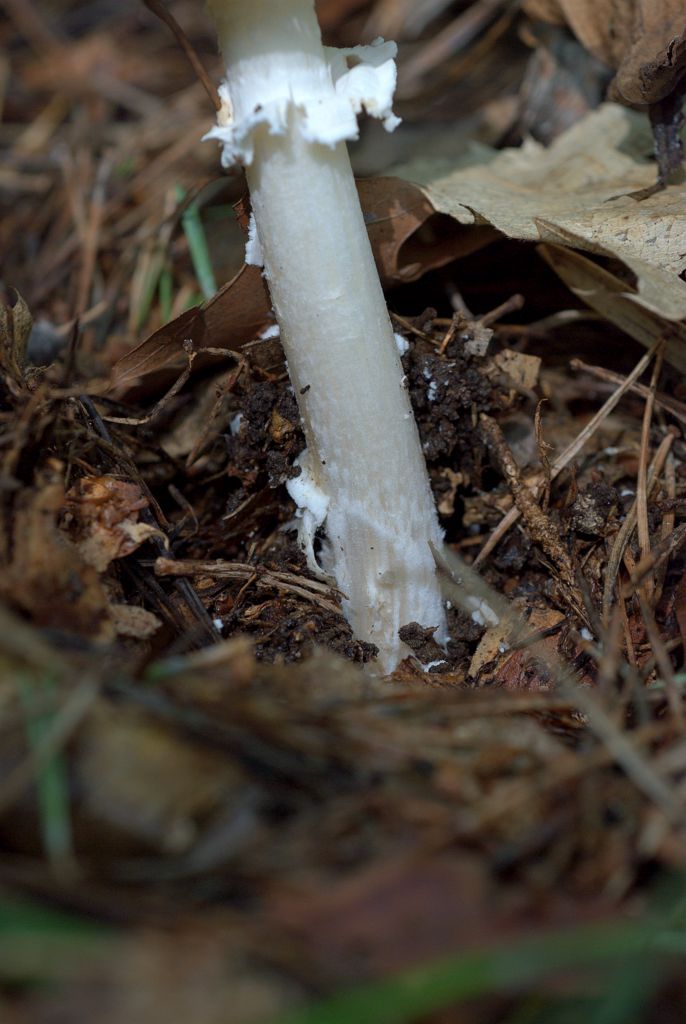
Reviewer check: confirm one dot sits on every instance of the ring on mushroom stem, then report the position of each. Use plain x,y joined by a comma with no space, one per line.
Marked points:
289,105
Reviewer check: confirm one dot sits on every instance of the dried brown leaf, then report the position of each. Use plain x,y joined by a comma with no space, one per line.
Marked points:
105,520
15,328
130,620
47,577
395,213
644,41
617,302
576,191
230,318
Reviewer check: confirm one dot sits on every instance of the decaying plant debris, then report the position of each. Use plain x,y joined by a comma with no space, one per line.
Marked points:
207,799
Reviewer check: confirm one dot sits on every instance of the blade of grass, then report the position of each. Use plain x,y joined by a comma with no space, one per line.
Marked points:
628,992
197,246
480,972
39,945
166,295
52,782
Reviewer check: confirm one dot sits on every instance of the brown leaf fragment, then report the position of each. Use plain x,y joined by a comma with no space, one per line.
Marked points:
522,369
497,662
576,192
398,216
105,522
15,328
644,41
130,620
617,301
47,577
233,316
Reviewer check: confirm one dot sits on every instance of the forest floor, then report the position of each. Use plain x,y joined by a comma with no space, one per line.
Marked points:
211,808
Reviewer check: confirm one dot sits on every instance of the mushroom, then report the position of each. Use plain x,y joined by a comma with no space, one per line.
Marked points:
288,106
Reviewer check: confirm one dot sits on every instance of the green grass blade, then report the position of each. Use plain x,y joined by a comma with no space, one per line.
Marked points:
166,295
197,246
39,945
476,973
52,782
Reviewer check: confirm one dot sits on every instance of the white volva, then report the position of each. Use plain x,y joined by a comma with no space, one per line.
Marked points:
289,104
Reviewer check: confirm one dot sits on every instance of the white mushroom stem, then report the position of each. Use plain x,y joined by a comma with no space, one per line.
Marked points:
290,104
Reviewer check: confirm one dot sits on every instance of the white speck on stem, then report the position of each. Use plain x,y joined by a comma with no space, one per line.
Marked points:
402,344
235,424
253,249
313,506
482,613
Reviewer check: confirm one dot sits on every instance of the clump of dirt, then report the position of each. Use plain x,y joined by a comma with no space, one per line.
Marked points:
594,510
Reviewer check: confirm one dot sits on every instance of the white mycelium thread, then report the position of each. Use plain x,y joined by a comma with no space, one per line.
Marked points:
289,104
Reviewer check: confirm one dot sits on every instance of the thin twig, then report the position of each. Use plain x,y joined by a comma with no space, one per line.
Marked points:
642,474
627,528
543,533
662,660
310,590
404,322
161,405
224,388
570,452
185,589
91,239
667,525
543,449
655,558
170,21
671,405
466,585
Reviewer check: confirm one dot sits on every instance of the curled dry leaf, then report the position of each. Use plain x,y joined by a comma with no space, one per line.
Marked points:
644,41
398,217
617,302
511,667
575,191
105,517
230,318
47,576
15,327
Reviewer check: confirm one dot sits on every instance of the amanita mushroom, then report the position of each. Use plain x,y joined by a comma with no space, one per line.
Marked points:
289,105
